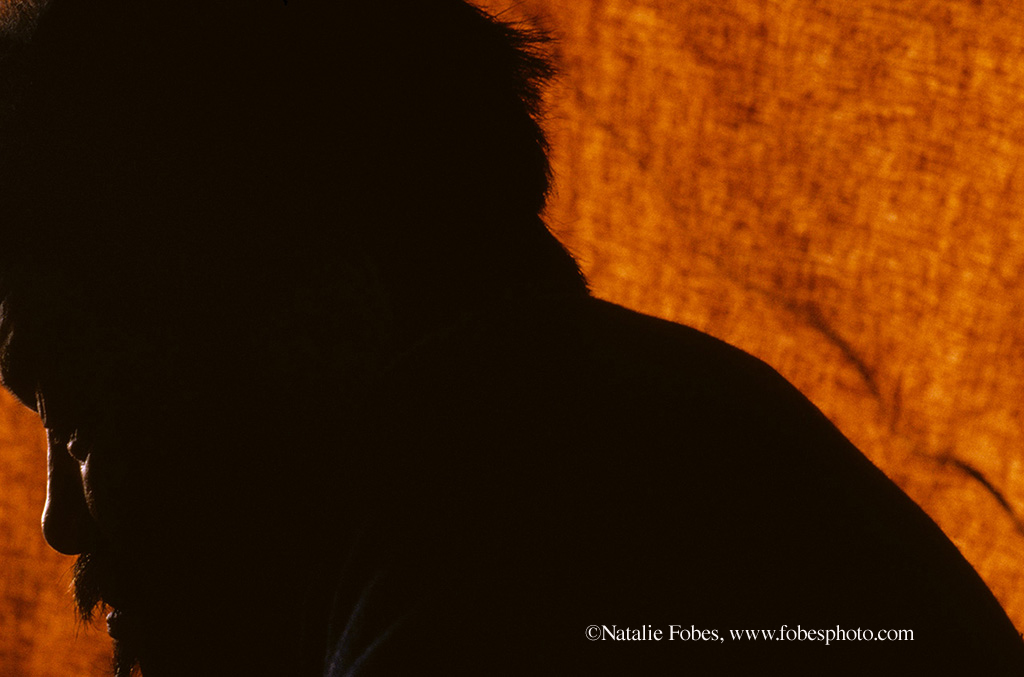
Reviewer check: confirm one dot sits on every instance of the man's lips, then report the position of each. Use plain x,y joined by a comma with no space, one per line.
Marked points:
119,625
101,572
115,621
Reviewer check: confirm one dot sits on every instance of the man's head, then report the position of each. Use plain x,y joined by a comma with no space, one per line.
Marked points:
220,222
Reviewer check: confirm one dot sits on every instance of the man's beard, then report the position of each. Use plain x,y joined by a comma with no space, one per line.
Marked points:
85,579
87,575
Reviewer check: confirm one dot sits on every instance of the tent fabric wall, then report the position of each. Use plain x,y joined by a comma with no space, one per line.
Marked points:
837,188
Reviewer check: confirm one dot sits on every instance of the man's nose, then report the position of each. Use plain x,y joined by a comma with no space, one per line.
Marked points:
67,524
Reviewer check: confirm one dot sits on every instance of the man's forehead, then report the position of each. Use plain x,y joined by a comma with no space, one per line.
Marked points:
23,388
16,372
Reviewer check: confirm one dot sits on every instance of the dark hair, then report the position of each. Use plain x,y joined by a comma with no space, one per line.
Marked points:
235,171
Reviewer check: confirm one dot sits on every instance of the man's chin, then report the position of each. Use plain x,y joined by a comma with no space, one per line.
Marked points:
125,633
125,662
97,589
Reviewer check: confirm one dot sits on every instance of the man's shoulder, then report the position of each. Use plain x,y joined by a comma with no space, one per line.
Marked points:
658,379
599,466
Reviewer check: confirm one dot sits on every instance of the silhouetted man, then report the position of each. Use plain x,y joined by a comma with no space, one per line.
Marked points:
324,396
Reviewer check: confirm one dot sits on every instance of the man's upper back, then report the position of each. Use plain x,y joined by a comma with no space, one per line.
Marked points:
575,464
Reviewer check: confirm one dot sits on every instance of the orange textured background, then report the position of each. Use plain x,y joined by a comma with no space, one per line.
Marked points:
837,188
